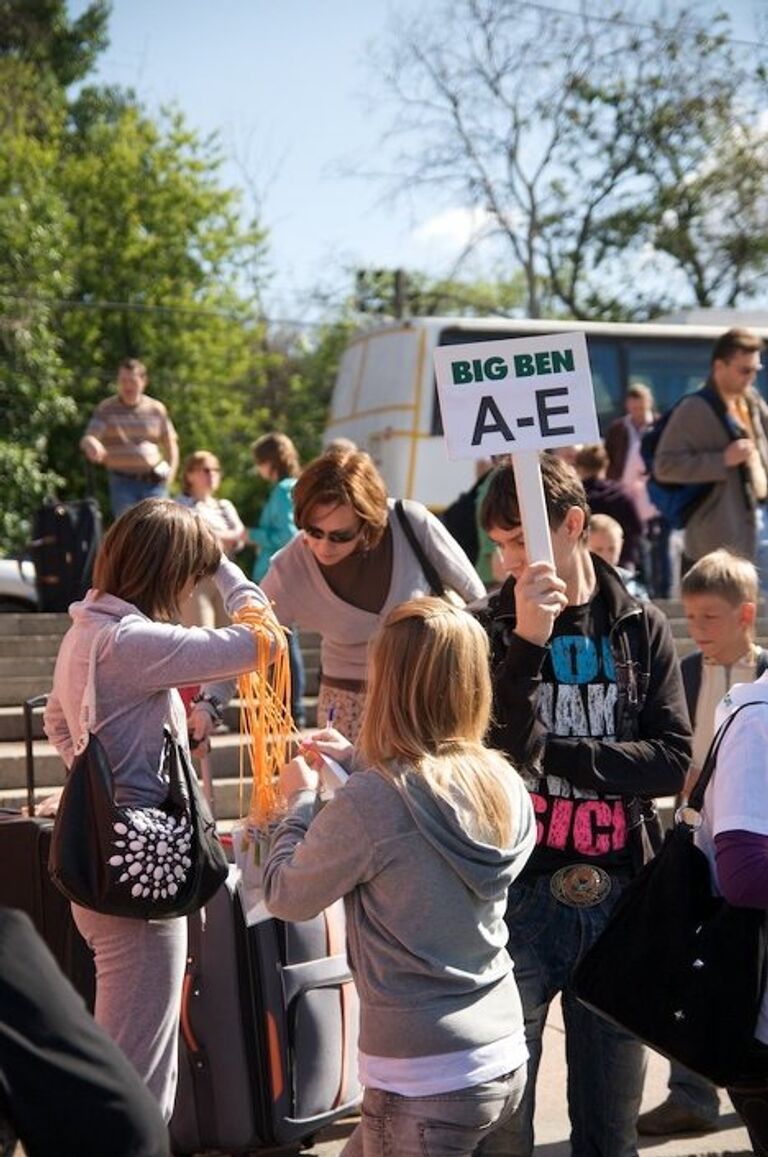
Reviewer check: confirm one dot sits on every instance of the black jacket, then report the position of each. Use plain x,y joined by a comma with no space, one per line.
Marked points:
652,749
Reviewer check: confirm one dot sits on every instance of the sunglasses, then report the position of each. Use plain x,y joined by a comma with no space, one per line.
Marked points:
337,536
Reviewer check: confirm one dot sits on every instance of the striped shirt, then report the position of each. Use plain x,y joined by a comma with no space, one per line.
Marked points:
131,435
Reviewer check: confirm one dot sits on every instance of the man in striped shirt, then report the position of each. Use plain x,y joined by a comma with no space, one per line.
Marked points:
133,437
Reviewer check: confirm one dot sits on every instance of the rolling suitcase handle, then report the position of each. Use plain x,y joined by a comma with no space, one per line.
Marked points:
30,706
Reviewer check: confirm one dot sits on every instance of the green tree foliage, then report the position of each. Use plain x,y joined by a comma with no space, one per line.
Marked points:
160,270
399,293
34,233
619,158
118,238
41,33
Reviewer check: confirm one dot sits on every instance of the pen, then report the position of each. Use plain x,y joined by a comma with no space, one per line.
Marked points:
330,715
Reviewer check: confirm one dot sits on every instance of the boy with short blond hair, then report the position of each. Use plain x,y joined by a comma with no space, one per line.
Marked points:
720,594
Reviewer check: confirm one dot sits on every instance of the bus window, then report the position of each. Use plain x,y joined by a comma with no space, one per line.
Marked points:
607,378
670,368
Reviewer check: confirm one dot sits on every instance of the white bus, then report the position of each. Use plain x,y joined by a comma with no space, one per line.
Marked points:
385,397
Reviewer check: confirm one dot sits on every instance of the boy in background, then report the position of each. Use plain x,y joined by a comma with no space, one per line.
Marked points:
606,538
719,594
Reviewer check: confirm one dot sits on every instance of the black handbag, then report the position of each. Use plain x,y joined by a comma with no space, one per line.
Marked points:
148,863
677,966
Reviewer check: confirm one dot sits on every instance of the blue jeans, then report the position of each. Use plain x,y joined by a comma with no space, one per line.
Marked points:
443,1125
125,492
606,1066
693,1092
298,679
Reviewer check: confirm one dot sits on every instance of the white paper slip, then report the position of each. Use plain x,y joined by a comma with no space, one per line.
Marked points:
332,775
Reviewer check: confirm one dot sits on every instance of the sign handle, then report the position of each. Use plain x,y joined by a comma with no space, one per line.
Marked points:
533,507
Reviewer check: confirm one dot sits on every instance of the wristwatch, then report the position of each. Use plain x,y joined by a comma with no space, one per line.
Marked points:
215,704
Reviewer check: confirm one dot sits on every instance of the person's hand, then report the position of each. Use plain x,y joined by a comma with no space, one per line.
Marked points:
93,449
738,452
539,599
46,807
298,776
329,741
200,724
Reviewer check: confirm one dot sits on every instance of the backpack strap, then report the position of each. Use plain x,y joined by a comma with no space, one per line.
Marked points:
690,669
430,574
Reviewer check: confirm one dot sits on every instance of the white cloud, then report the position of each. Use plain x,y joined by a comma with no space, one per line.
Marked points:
452,228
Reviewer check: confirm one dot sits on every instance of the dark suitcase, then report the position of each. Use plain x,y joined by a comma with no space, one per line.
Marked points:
26,884
269,1025
65,538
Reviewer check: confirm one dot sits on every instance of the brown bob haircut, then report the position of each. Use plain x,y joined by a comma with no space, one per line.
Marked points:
562,490
279,453
150,554
343,477
736,341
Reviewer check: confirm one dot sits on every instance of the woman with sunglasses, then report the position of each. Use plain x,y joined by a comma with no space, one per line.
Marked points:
201,475
350,566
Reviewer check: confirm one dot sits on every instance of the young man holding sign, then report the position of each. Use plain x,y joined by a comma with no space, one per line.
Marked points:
589,706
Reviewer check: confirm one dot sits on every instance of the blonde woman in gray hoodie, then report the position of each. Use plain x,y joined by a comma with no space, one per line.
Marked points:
422,842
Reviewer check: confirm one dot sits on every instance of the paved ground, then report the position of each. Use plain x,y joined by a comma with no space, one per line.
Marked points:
552,1119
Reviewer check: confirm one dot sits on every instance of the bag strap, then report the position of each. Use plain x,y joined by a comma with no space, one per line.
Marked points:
696,799
430,574
88,704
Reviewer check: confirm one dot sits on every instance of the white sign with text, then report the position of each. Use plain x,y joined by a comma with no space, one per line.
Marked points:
531,393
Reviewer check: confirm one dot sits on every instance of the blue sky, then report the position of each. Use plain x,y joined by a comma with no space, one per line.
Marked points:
285,84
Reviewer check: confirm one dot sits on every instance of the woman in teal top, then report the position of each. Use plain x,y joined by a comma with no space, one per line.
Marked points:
278,463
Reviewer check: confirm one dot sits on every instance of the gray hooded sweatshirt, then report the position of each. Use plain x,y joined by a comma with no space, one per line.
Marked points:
425,907
139,663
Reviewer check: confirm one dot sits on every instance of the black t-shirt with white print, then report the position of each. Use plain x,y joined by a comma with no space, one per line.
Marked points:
578,697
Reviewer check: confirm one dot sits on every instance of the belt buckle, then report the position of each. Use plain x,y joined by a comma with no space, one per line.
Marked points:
580,885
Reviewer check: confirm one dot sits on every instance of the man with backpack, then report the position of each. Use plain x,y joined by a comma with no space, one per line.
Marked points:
716,443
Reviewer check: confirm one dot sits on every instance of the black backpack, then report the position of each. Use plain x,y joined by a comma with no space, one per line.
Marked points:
460,520
65,537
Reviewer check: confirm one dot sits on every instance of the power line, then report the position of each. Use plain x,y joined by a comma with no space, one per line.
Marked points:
621,21
140,307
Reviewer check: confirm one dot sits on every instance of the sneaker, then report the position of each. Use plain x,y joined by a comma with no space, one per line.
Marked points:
669,1119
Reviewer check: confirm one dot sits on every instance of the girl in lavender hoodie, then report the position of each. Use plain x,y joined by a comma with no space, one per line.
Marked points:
422,842
147,568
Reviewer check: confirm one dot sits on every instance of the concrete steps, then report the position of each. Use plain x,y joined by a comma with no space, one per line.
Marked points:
28,648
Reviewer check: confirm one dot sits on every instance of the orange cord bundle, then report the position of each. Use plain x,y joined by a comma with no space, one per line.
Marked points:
266,725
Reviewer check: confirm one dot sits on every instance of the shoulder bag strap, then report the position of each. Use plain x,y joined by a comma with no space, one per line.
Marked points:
697,795
761,663
430,574
88,704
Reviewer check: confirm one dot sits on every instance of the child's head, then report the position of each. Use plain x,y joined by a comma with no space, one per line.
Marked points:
606,538
720,594
153,555
567,510
428,706
275,457
428,682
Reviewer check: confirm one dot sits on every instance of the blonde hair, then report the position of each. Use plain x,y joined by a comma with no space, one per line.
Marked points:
428,706
149,555
193,462
608,525
721,573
